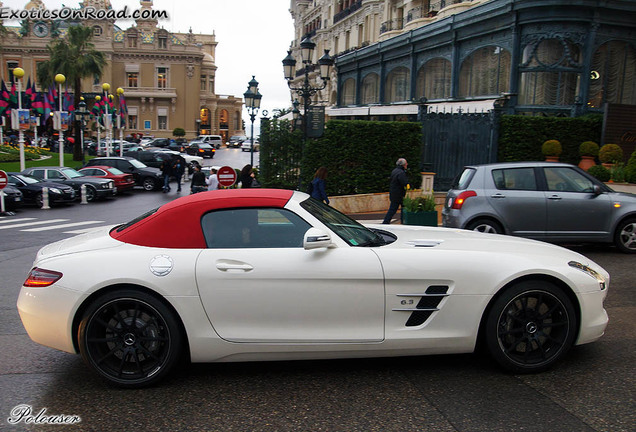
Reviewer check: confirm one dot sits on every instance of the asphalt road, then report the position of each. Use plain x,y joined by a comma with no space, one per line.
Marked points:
591,390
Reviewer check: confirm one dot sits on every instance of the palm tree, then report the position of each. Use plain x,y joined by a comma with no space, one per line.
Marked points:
76,58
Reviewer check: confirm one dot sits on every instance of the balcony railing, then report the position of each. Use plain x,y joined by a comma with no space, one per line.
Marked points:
392,25
348,11
415,13
437,5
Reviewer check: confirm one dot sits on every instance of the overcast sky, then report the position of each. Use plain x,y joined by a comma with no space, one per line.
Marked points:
253,37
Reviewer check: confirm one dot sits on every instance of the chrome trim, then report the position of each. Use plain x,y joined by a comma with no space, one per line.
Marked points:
424,309
422,295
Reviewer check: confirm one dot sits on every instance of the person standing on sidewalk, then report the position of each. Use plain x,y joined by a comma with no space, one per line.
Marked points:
397,189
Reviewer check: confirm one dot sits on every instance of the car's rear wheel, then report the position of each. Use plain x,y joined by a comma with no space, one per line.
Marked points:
530,327
625,237
130,338
485,226
149,184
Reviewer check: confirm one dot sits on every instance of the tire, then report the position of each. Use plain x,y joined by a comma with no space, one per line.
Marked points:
485,226
625,237
130,338
535,315
39,200
91,193
149,184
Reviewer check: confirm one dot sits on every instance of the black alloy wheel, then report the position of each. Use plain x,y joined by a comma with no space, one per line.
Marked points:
130,338
91,193
530,327
39,200
149,184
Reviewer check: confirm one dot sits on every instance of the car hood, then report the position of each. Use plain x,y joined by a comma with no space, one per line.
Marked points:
451,239
89,241
149,170
52,184
89,180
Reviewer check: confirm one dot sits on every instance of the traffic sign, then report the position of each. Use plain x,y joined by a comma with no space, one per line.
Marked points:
4,179
226,176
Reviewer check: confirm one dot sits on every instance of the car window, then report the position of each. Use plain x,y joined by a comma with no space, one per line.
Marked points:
253,228
137,164
463,180
38,173
88,172
565,179
52,174
114,171
515,179
71,173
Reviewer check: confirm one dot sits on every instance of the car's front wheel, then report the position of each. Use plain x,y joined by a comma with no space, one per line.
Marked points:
530,327
149,184
625,237
91,193
485,226
130,338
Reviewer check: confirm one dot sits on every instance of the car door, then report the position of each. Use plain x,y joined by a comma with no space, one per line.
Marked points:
258,284
513,193
574,211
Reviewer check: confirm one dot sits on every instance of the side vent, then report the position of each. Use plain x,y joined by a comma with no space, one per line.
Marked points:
427,305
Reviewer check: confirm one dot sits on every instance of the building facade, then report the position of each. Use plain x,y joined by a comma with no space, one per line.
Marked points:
168,78
530,56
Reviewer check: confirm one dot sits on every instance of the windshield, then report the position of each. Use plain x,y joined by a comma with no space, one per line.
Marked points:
137,164
71,173
27,179
115,171
346,228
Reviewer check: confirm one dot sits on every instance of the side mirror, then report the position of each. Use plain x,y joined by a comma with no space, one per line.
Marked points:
315,239
597,190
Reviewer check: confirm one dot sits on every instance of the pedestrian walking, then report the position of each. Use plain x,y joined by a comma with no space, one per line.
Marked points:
397,188
178,168
213,180
318,185
166,171
247,176
198,183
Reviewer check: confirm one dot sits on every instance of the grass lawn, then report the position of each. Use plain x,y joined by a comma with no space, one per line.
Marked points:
54,160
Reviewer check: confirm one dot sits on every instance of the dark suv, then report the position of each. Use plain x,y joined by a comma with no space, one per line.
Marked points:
148,177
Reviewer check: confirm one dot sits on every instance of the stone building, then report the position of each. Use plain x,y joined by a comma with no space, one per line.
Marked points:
168,78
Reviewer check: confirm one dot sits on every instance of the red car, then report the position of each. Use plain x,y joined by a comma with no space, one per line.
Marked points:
123,182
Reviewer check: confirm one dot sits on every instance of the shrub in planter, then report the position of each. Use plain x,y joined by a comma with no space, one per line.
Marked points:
588,148
419,211
610,153
551,148
600,172
630,169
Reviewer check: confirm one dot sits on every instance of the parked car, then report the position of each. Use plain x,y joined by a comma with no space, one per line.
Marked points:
158,142
32,190
150,156
123,182
188,158
102,147
547,201
96,188
215,141
13,199
246,146
200,149
319,284
148,177
236,140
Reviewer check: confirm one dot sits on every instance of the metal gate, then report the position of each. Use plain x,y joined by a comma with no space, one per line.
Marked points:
454,140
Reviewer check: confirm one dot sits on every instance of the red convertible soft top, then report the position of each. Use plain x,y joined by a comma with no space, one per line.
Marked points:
178,223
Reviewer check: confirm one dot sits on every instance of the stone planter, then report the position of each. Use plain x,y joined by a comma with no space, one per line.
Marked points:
428,218
551,158
587,162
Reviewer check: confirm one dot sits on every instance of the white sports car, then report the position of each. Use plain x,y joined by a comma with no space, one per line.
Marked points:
242,275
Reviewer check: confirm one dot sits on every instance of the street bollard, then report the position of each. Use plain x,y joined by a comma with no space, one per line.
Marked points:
83,192
45,199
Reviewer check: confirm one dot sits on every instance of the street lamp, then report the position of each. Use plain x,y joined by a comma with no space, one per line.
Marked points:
108,121
306,90
19,73
252,103
120,124
81,115
59,79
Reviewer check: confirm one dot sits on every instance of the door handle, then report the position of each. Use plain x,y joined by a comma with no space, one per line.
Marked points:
234,266
497,195
554,197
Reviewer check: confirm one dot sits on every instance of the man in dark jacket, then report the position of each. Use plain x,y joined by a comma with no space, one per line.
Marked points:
397,189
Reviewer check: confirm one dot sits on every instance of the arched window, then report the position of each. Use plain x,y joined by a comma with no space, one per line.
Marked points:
398,86
613,74
434,79
349,92
549,73
486,72
370,91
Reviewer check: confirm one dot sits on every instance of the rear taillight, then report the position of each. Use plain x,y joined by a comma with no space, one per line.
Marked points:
461,199
41,278
201,151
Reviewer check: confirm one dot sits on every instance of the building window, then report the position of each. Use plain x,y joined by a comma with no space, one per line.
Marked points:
398,86
162,42
162,77
97,31
132,121
162,122
211,85
10,66
133,79
223,119
434,79
548,73
237,121
486,72
204,80
613,75
349,92
370,92
132,41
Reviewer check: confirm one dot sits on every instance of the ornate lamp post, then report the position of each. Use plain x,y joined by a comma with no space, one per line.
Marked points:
252,103
120,125
108,121
81,115
59,79
19,73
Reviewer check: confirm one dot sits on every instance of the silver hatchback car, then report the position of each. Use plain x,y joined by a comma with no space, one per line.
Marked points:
547,201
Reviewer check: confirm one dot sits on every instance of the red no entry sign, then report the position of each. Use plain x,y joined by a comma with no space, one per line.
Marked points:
226,176
4,179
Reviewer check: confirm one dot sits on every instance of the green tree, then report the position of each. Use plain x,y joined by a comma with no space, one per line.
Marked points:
76,58
178,132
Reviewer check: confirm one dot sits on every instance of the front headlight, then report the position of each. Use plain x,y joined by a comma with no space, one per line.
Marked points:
55,191
591,272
